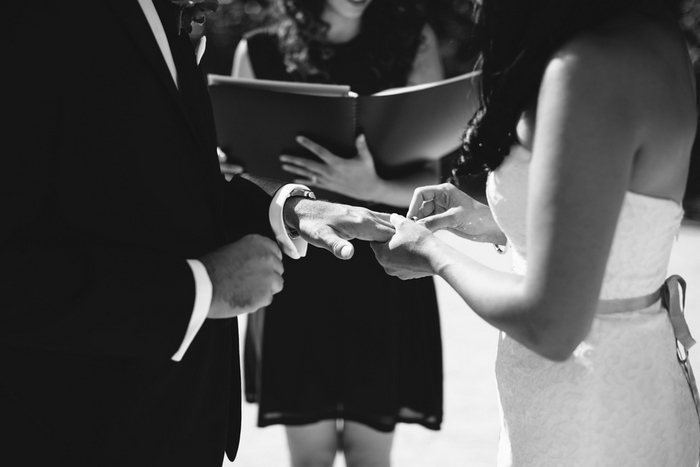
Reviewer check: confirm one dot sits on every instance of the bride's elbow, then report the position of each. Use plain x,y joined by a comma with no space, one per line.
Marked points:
555,342
558,353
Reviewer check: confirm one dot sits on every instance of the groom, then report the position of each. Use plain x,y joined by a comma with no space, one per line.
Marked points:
125,254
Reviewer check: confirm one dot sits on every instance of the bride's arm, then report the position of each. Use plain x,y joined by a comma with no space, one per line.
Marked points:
586,137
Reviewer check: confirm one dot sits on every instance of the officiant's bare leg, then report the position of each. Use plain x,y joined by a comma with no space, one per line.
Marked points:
366,447
313,445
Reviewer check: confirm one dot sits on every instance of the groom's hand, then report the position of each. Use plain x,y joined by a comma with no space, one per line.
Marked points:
332,225
244,274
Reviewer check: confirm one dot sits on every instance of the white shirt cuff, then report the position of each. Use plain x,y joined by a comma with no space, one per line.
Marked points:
294,248
202,302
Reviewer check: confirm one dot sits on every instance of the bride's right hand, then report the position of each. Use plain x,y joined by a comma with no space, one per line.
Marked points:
446,207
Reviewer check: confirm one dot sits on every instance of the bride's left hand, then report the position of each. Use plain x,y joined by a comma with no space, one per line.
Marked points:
354,177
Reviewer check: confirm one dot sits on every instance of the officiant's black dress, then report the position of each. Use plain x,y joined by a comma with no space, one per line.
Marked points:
343,340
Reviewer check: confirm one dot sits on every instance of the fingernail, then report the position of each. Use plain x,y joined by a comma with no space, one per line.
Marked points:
346,251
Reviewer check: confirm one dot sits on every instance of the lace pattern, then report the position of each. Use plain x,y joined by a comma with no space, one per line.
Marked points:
622,398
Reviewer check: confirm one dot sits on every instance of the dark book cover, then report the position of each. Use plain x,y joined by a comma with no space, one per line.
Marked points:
257,121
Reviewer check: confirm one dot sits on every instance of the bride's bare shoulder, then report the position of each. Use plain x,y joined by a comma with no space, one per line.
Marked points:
630,57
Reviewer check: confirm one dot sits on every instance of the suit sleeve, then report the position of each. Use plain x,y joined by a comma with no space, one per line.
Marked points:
246,203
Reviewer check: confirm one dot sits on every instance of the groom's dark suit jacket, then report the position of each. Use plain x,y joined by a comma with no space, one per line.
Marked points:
110,181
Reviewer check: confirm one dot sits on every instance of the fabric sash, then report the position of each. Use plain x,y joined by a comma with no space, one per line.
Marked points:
672,296
624,305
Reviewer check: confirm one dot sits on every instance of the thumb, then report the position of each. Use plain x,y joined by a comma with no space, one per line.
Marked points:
341,248
362,149
396,219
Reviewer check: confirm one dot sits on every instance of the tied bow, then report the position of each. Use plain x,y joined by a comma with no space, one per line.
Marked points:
193,11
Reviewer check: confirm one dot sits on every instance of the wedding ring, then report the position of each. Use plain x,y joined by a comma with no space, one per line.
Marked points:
414,218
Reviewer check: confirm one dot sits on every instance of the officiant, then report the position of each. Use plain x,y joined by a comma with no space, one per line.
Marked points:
349,385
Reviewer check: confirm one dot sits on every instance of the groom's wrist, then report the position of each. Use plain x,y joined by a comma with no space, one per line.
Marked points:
283,216
289,212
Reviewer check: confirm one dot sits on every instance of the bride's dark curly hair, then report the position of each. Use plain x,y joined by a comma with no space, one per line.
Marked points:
391,26
516,39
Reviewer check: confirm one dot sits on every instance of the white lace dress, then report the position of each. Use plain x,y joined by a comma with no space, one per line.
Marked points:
622,399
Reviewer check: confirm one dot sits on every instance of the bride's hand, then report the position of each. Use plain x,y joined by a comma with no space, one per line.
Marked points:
446,207
409,252
354,177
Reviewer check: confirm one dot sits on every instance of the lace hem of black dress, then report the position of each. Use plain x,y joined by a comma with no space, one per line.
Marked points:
383,423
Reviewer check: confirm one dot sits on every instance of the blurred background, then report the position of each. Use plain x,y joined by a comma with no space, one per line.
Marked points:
224,28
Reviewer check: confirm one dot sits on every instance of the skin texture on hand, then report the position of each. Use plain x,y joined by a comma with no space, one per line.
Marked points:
332,225
446,207
411,252
355,177
245,275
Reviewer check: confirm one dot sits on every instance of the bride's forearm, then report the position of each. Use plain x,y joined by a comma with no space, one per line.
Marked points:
505,301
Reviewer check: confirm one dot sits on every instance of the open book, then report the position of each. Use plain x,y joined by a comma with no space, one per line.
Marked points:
258,120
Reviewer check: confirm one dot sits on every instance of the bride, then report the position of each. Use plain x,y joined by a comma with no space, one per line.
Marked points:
586,126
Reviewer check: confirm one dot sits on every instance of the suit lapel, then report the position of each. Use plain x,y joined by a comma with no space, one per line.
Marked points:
134,21
132,18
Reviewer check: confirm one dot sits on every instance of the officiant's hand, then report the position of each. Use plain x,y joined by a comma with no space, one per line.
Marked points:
244,274
446,207
332,225
355,177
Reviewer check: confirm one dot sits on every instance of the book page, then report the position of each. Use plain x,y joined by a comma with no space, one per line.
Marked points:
418,123
418,87
283,86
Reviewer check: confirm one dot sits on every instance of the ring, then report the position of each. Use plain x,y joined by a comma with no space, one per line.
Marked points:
314,179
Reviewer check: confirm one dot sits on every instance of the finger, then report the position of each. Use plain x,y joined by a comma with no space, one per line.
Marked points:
362,149
297,170
277,266
397,220
310,178
323,153
378,229
341,248
277,284
427,208
420,197
272,246
302,162
263,301
376,233
382,218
